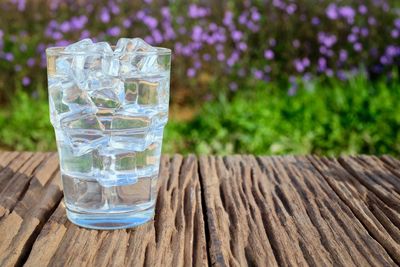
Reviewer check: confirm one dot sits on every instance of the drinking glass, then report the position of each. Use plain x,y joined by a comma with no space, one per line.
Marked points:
108,111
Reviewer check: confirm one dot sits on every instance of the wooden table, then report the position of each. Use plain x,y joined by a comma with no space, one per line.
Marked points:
235,210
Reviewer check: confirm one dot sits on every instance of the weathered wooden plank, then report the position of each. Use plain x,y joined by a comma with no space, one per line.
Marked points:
381,221
11,167
20,225
6,157
374,176
392,164
16,186
304,220
175,238
236,228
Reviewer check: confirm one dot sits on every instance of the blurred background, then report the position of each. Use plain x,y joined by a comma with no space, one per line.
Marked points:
262,76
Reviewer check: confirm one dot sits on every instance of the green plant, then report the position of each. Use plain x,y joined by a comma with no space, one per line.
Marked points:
25,124
327,118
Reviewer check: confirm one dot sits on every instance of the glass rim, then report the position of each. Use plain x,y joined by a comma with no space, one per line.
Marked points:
60,50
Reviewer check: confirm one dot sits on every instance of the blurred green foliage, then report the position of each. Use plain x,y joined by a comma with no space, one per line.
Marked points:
324,117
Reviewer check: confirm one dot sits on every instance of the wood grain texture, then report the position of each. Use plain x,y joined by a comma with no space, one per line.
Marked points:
176,237
237,210
303,220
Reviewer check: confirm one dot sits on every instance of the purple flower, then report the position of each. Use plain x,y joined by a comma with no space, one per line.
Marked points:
394,33
197,12
267,69
343,55
355,29
242,46
140,15
321,64
21,4
385,60
150,22
65,26
392,51
329,72
332,12
114,8
258,74
182,30
255,15
352,38
362,9
347,12
197,33
30,62
158,38
17,68
9,56
371,21
228,18
364,32
207,57
243,18
114,31
57,35
237,35
269,54
315,21
191,72
148,1
85,34
105,15
298,65
357,47
327,39
149,39
296,43
165,12
341,75
306,62
397,23
126,23
233,86
26,81
221,56
290,9
78,23
272,42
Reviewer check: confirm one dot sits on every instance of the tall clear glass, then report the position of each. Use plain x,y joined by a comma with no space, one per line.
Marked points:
109,113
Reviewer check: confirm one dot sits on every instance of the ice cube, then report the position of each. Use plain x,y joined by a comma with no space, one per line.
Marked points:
83,132
63,65
118,167
105,98
76,98
148,160
80,46
85,165
129,45
130,131
131,87
57,106
147,92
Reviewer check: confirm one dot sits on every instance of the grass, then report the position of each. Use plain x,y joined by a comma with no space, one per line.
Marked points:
325,118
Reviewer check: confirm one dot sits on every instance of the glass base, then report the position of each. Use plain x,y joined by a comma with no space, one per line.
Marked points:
111,221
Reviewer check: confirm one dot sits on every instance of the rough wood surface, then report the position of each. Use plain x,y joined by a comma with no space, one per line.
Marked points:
224,211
